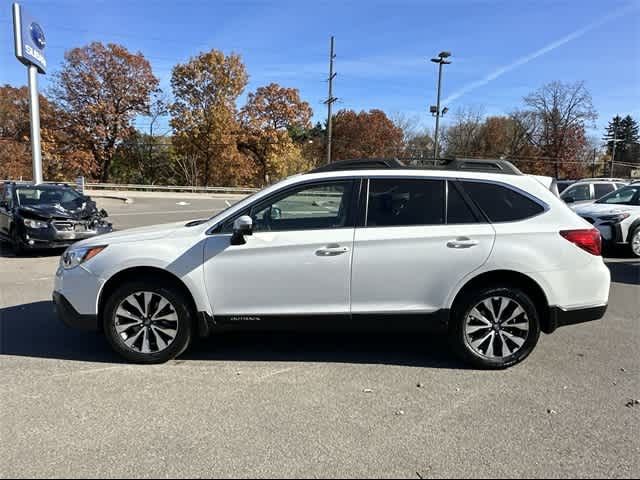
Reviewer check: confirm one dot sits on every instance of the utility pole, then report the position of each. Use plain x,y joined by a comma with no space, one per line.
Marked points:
435,110
330,101
613,153
593,170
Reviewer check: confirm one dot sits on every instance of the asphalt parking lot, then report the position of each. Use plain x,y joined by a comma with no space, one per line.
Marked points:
309,406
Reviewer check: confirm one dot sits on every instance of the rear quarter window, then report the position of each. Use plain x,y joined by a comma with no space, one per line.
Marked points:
500,203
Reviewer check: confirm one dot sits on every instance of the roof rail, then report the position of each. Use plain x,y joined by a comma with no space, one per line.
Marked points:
459,164
603,179
360,164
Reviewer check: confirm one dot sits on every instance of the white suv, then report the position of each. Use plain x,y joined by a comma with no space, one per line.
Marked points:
617,217
492,258
589,190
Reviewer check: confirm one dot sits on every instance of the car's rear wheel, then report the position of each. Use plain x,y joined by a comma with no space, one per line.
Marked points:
635,242
495,327
148,323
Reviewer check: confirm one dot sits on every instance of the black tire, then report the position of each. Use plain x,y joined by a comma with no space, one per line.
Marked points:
461,340
178,301
16,243
635,236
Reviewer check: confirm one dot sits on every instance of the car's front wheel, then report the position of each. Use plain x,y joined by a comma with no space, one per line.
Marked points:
148,323
635,242
495,327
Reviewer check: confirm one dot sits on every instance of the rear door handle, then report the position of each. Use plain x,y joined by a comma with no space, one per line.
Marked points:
462,242
332,251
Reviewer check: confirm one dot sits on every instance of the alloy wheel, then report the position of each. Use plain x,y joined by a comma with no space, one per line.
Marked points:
146,322
497,327
635,243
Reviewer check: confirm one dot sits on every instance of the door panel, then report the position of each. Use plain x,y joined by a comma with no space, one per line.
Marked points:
280,273
298,260
412,269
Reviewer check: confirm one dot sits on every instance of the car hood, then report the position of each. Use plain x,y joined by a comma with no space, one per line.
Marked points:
58,212
141,234
600,209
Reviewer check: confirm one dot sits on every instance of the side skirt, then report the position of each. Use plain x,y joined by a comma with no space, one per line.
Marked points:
392,322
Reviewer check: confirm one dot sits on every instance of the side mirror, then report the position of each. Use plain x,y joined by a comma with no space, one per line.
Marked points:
103,213
241,227
569,200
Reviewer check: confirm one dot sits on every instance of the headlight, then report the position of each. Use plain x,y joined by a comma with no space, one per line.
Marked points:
35,224
617,218
77,256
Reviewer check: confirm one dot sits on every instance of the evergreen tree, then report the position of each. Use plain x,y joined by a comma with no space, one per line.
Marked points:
613,131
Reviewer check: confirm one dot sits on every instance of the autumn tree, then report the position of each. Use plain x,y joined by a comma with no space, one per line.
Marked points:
269,117
101,89
365,135
463,136
562,112
145,156
62,157
204,116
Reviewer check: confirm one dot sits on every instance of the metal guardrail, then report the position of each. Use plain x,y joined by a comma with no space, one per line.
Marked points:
168,188
150,188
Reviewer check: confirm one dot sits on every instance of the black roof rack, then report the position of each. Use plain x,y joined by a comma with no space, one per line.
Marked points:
459,164
364,164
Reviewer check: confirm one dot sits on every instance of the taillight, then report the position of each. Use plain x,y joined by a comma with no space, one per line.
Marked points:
588,240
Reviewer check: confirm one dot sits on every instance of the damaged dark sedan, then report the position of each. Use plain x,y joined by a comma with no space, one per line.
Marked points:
48,216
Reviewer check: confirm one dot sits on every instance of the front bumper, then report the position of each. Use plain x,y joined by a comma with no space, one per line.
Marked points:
71,318
611,232
52,237
560,317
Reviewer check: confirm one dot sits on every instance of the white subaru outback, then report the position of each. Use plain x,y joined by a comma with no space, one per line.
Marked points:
474,248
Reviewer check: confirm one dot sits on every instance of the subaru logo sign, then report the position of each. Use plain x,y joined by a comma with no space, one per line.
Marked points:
37,35
29,39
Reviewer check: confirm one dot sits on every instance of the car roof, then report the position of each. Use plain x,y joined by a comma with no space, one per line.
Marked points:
602,180
42,186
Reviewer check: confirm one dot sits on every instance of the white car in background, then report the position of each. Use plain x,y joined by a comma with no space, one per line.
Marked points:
617,217
588,190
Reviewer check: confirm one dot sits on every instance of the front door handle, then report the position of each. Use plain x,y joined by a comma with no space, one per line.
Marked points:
331,251
462,242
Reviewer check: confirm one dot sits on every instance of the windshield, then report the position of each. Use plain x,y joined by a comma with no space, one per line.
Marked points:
36,196
625,196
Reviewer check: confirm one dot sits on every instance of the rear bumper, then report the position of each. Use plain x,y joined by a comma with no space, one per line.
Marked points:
71,318
560,317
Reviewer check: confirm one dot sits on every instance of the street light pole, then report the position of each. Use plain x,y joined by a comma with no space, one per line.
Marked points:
436,111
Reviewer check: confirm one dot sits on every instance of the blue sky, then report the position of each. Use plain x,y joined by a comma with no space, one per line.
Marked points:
502,49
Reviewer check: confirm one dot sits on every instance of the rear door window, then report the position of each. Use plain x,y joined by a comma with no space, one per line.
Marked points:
602,189
400,202
502,204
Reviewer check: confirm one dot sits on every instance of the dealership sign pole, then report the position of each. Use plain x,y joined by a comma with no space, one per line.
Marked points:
29,45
